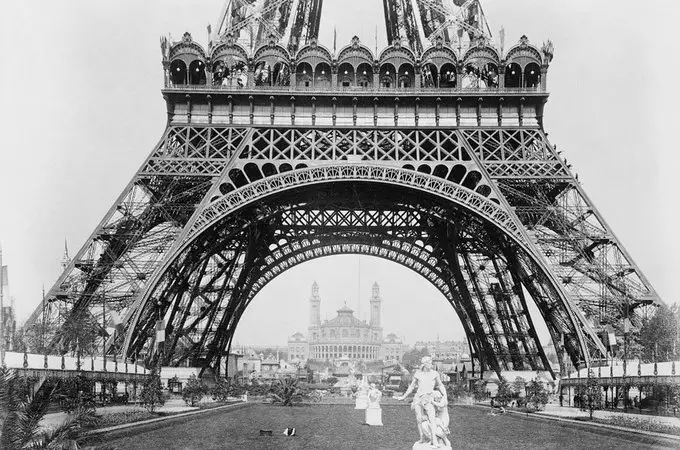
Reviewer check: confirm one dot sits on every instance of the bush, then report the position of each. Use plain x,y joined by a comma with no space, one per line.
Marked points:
74,393
286,391
537,395
479,392
456,391
194,391
220,392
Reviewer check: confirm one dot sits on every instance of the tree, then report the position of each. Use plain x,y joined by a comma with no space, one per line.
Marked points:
504,393
537,394
659,335
457,390
411,358
519,386
193,391
592,398
152,392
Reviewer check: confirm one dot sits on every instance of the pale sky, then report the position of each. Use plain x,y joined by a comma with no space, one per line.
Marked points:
81,110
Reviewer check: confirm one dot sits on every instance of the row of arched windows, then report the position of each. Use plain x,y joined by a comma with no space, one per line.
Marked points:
446,76
482,66
350,351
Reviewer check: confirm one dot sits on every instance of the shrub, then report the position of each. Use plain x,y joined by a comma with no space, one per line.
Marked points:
194,391
152,392
286,392
537,395
479,392
456,391
74,393
220,392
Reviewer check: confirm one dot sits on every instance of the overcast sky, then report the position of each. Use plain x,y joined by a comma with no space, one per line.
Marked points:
81,110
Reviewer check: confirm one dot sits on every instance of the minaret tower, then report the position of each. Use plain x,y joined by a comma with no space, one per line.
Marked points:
375,306
315,307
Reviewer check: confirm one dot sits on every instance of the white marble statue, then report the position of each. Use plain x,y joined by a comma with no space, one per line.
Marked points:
374,411
430,406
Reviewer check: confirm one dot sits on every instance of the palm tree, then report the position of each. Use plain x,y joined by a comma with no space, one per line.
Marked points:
21,414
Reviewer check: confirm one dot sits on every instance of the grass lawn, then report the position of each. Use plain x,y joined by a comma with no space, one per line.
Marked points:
341,427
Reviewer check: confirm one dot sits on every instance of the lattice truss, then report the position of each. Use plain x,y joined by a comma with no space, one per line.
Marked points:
209,219
204,293
586,257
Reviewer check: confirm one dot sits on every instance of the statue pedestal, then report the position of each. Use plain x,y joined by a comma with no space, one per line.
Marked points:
374,416
427,446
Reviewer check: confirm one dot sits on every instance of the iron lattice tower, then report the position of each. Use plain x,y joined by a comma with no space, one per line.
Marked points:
431,154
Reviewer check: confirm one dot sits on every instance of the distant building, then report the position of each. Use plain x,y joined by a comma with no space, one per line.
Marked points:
345,337
298,347
444,349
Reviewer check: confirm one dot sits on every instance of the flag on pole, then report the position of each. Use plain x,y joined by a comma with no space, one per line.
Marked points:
116,321
160,331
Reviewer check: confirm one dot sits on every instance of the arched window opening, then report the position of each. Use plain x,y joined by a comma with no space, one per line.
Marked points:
429,78
457,173
489,76
178,72
387,75
235,75
346,76
472,179
365,75
237,178
440,171
471,75
322,75
253,172
532,75
281,75
266,75
424,168
197,72
304,75
263,74
447,76
484,190
220,73
285,167
513,75
406,76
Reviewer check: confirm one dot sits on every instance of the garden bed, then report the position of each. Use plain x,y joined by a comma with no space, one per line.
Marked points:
633,423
